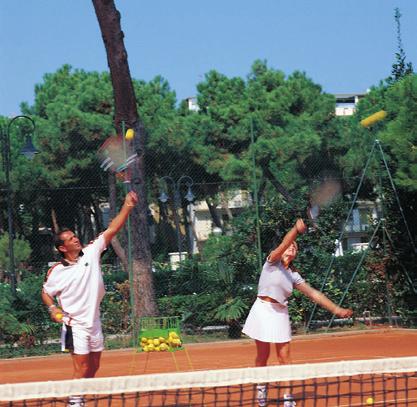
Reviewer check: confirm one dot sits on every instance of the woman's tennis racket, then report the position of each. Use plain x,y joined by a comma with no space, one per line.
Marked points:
322,195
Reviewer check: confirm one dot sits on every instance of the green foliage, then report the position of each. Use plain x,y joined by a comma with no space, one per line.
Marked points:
289,115
31,310
11,328
115,308
400,68
399,138
21,250
195,310
233,310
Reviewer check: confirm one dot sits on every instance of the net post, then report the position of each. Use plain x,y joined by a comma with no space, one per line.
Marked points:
135,332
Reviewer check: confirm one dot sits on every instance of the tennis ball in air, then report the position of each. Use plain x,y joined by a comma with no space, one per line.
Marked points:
374,118
130,133
369,401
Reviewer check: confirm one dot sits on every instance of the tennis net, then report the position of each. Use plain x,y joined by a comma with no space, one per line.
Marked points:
381,382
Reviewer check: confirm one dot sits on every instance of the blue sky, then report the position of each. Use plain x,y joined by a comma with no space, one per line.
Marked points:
345,46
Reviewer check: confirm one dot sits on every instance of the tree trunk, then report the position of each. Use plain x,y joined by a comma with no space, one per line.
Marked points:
277,185
225,205
125,111
54,220
213,213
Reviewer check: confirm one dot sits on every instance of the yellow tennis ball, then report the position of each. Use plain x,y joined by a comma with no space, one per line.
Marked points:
369,401
58,316
130,133
373,118
156,342
176,342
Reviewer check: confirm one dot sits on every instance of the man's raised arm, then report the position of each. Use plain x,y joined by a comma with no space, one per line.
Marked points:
117,223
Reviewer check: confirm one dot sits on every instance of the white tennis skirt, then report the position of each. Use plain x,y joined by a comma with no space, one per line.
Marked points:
268,322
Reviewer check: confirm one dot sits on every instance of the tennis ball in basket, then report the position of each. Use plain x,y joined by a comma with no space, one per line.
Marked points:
161,339
150,341
130,133
369,401
143,339
163,347
176,342
151,348
156,342
145,349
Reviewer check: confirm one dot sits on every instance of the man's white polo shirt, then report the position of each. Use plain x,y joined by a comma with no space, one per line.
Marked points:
79,287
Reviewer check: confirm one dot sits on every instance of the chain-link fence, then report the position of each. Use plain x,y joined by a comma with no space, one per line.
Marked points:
208,239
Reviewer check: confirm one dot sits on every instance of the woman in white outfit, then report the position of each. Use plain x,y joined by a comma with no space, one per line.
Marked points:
268,320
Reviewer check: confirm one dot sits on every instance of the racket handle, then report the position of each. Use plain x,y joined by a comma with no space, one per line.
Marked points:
128,185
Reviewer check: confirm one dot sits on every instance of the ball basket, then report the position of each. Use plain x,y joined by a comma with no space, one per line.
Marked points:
159,334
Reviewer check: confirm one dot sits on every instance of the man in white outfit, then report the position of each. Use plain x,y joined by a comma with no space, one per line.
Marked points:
77,284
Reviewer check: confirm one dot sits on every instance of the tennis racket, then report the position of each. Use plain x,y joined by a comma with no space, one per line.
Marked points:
323,193
116,156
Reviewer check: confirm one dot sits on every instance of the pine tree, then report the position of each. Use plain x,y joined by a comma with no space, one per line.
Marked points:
400,68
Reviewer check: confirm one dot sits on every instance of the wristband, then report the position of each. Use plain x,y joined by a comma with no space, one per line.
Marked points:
50,307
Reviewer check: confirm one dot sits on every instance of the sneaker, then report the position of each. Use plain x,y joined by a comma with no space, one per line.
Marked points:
261,395
289,401
76,401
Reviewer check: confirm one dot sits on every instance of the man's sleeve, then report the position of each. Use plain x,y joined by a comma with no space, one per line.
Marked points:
50,285
98,245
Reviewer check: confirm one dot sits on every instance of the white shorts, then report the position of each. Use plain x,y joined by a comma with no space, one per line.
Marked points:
268,322
81,340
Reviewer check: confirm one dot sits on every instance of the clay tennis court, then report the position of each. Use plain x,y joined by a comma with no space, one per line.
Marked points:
218,355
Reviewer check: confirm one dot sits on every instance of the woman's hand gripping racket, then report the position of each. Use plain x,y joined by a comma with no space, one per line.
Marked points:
116,156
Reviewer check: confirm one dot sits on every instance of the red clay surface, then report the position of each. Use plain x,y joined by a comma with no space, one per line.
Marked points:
218,355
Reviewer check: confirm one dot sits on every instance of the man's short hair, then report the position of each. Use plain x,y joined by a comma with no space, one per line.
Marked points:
58,241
